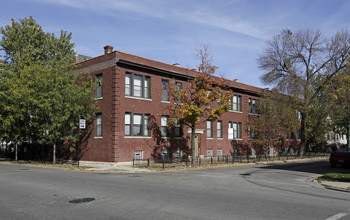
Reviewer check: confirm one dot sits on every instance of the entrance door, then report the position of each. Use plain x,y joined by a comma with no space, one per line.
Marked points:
196,145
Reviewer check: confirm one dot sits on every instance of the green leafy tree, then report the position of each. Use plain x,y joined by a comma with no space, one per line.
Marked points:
337,101
196,103
301,64
25,42
44,99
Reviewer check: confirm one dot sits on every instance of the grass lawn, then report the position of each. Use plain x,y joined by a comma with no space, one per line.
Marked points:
336,177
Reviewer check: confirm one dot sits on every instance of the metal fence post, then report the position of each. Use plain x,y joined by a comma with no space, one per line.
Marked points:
211,160
226,159
163,164
133,162
247,158
200,161
147,162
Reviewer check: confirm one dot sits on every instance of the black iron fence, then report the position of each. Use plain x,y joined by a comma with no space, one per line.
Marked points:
228,159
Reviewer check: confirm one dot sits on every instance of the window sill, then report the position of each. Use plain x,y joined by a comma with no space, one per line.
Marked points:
138,98
165,102
100,98
170,137
235,111
210,138
237,139
138,137
98,137
220,139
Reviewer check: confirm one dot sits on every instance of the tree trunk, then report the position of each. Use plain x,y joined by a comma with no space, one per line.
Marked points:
302,144
54,154
16,151
193,142
348,136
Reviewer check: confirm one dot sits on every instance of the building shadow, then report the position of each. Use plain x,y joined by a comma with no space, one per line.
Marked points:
167,148
316,167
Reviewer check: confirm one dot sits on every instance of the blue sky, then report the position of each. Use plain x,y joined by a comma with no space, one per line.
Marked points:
170,31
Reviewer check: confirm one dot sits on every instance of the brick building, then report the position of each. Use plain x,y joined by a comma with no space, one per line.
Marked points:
131,122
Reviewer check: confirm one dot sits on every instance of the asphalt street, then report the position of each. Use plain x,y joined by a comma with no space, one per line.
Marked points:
280,191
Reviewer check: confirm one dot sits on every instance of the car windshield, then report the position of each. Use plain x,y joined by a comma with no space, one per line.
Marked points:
343,150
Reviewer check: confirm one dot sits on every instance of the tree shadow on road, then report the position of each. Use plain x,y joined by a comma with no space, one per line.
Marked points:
316,167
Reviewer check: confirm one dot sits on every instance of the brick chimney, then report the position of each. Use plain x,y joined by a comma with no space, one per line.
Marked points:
108,49
75,60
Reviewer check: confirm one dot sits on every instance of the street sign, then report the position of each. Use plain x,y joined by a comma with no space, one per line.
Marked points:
82,123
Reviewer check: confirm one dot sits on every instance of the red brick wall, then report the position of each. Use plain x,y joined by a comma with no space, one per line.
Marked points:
114,146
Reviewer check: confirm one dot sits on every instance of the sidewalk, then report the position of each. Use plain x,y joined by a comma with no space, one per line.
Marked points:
119,169
341,186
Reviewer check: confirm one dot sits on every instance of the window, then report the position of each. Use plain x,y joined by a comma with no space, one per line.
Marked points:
253,106
234,130
236,103
219,129
178,130
99,82
252,134
165,93
209,129
164,126
136,124
165,155
210,153
178,154
178,87
98,125
138,155
137,85
219,152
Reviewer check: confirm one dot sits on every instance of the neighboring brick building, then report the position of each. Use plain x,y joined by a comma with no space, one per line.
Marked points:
130,100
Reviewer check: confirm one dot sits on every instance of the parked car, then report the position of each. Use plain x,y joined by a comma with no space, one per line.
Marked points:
341,156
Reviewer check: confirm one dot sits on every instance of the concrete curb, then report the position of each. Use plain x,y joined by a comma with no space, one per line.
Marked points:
336,186
337,189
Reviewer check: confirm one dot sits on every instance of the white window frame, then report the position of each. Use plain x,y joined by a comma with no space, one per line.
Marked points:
236,103
98,125
99,86
210,153
164,90
144,87
130,123
219,129
164,126
209,129
138,155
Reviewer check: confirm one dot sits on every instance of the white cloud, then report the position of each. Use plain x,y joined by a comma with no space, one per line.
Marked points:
165,9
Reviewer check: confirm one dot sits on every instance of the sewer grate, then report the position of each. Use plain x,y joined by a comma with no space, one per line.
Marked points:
82,200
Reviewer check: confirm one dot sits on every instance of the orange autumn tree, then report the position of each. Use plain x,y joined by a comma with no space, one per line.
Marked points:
197,102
